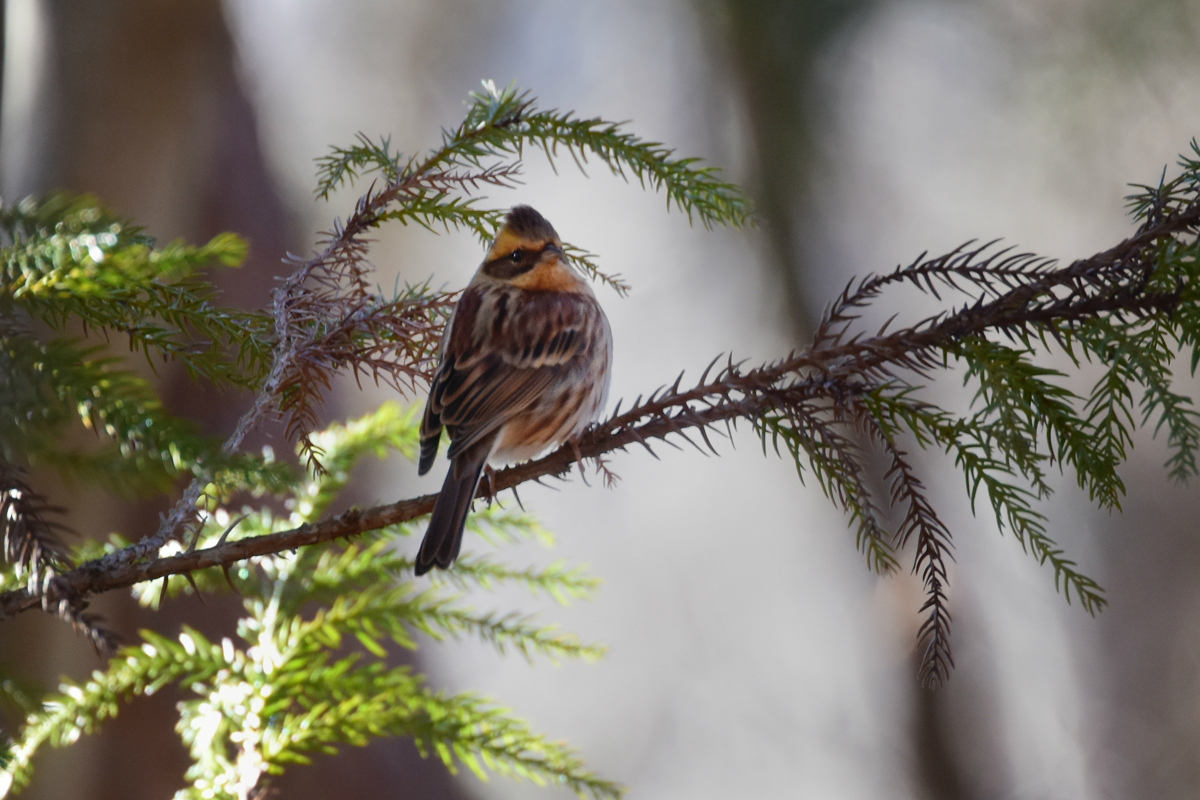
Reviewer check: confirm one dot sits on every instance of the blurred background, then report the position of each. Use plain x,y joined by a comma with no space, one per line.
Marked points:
751,652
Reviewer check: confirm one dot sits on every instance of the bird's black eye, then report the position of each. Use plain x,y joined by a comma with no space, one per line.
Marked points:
507,266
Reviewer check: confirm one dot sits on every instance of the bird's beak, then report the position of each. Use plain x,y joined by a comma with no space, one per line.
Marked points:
552,249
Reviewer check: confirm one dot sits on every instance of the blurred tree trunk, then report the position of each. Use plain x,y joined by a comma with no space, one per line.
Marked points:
772,47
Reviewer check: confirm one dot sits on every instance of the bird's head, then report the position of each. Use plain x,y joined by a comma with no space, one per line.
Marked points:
528,254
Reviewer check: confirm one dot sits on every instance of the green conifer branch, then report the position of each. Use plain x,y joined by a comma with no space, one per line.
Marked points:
48,386
67,260
559,580
836,463
484,738
487,149
286,694
79,709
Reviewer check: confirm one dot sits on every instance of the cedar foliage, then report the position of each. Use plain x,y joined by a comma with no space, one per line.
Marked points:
282,687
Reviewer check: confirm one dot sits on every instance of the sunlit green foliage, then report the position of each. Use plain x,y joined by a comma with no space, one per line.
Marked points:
67,260
307,670
71,264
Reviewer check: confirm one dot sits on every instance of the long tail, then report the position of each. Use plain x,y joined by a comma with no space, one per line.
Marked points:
443,538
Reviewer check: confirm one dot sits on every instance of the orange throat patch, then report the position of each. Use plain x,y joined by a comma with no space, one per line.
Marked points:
548,276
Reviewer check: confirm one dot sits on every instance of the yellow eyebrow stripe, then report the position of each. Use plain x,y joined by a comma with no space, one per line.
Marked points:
505,243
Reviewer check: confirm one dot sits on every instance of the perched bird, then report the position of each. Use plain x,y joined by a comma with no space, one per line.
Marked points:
524,366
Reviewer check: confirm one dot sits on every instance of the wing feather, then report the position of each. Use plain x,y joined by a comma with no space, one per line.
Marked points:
499,357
